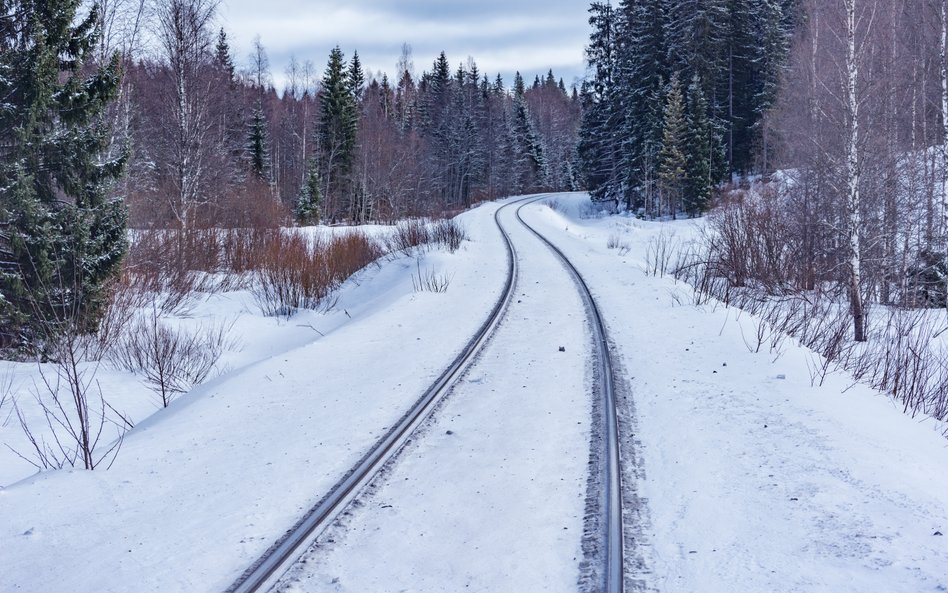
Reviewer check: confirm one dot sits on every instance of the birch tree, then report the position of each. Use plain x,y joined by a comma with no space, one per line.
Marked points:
943,58
853,170
185,41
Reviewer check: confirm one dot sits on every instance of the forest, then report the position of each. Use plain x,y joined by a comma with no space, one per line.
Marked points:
132,114
816,129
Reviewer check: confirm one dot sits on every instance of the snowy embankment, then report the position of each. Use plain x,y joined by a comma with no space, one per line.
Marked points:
199,490
755,479
490,496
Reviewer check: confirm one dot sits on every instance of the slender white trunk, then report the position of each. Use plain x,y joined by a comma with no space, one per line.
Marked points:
943,50
852,175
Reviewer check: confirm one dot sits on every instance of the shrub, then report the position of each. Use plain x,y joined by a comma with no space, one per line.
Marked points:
294,272
172,361
408,235
448,233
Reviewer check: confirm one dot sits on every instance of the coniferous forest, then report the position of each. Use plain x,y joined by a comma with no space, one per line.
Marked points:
129,113
676,96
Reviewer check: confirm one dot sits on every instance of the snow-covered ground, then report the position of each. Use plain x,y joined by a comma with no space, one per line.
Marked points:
202,488
492,496
754,480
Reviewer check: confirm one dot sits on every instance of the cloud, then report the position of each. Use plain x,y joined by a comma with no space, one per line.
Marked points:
502,36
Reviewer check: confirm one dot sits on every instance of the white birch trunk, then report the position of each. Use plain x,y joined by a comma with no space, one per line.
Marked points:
854,221
943,51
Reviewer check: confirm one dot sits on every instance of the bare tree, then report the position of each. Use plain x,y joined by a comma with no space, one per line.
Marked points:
122,22
853,172
184,34
943,62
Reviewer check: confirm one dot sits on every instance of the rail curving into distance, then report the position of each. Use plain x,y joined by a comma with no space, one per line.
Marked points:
267,570
613,580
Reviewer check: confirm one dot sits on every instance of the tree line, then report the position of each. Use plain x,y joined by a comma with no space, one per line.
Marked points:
215,141
675,97
136,113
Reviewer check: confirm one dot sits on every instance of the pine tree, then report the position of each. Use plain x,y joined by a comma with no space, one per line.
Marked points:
356,78
702,144
530,172
672,162
337,129
257,145
63,233
769,58
598,145
637,98
736,48
696,33
310,198
258,151
222,56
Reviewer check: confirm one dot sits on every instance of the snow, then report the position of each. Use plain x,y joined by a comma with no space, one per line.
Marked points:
492,496
201,489
752,479
756,483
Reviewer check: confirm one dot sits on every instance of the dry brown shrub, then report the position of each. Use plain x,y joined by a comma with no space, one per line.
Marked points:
171,361
448,233
350,252
407,236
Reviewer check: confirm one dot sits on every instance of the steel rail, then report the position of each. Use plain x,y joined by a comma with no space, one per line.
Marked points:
613,581
274,563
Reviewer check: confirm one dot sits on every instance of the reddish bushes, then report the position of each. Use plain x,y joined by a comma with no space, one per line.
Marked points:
286,269
414,233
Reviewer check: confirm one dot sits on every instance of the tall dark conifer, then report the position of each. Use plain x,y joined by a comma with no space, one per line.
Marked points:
673,156
529,162
62,233
702,144
735,48
337,132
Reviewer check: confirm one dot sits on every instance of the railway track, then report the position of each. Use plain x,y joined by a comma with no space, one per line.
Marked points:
268,569
613,580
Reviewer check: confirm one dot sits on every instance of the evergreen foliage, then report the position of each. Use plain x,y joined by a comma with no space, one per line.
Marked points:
730,52
672,159
308,202
222,56
356,77
62,233
338,124
703,148
530,166
257,150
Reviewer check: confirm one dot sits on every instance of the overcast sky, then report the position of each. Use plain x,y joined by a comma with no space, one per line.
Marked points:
503,36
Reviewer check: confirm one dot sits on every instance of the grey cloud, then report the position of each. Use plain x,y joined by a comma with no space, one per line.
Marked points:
502,35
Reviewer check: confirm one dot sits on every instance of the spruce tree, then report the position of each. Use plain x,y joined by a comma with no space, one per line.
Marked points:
356,77
736,48
308,202
672,162
222,56
63,232
530,166
257,150
337,131
702,144
598,145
